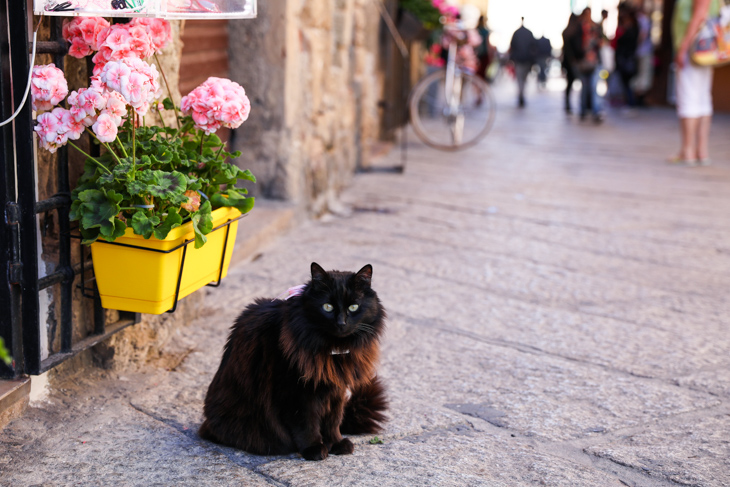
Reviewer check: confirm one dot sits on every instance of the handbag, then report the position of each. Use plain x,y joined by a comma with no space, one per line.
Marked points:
711,46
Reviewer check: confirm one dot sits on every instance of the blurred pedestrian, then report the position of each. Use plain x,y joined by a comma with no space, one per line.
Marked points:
644,58
625,44
587,62
572,43
522,50
483,50
544,51
694,83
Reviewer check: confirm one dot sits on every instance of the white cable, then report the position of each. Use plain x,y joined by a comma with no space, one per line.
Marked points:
30,79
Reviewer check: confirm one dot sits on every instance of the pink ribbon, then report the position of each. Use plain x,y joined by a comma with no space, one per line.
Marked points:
291,292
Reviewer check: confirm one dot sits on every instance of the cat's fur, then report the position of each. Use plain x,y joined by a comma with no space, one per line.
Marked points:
285,384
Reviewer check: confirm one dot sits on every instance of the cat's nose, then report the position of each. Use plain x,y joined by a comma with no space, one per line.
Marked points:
341,320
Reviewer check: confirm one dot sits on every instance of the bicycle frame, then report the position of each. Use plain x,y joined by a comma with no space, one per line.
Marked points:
452,92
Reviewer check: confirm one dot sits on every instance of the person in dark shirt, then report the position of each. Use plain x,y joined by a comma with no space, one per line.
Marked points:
571,45
522,51
587,63
544,52
625,44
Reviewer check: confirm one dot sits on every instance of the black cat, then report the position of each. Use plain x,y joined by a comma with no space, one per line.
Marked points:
298,372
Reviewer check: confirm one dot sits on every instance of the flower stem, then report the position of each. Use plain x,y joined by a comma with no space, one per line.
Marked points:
202,138
88,156
162,119
109,148
105,144
121,146
134,143
169,91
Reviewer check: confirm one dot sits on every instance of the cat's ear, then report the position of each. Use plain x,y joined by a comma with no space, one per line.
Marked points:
365,274
318,274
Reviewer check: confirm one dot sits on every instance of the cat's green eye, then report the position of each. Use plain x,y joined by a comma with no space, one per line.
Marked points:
353,307
327,307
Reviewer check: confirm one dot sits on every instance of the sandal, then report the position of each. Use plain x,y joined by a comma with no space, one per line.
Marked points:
679,160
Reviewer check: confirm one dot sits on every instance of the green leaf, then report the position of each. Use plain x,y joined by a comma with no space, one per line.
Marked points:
167,103
144,225
172,220
122,170
212,140
4,354
376,441
97,209
248,175
167,184
235,199
136,187
89,236
202,224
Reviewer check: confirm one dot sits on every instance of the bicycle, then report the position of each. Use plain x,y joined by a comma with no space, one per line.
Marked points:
452,98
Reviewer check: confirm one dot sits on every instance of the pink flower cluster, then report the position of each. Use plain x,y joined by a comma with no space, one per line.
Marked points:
217,103
93,107
135,80
89,104
85,34
140,38
159,31
55,128
451,11
48,87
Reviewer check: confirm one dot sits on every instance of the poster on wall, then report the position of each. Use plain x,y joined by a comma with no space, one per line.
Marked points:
169,9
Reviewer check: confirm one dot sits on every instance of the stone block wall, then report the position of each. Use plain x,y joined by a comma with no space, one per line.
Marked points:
309,68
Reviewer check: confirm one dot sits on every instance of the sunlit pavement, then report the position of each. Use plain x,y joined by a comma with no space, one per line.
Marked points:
558,316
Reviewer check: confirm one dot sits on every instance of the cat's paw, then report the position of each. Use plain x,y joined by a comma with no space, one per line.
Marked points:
315,452
343,447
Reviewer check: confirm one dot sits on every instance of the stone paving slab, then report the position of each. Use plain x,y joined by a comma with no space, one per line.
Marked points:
456,457
695,452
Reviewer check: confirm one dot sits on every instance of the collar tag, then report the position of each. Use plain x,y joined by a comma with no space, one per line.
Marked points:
337,351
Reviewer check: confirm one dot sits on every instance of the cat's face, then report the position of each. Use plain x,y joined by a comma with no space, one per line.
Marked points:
342,304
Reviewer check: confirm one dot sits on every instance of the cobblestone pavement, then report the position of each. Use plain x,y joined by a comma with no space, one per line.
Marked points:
558,316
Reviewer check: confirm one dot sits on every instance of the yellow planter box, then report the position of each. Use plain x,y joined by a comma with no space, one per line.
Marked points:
144,281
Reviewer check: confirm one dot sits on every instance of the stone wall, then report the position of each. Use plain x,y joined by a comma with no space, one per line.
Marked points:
310,71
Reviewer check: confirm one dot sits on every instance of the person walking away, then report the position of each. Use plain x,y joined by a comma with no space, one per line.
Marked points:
522,54
587,62
482,51
571,44
626,43
544,52
644,58
694,83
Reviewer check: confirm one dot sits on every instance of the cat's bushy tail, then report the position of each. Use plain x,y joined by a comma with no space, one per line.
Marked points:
364,410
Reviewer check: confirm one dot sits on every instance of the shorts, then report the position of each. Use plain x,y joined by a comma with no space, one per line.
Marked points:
694,91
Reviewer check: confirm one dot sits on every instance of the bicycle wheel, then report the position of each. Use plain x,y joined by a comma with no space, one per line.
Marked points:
452,118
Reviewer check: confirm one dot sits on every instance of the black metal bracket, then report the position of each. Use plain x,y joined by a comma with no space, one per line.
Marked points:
93,292
15,266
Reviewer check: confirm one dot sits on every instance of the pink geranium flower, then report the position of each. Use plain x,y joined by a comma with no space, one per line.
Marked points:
105,128
85,34
217,102
159,30
55,128
48,87
136,81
